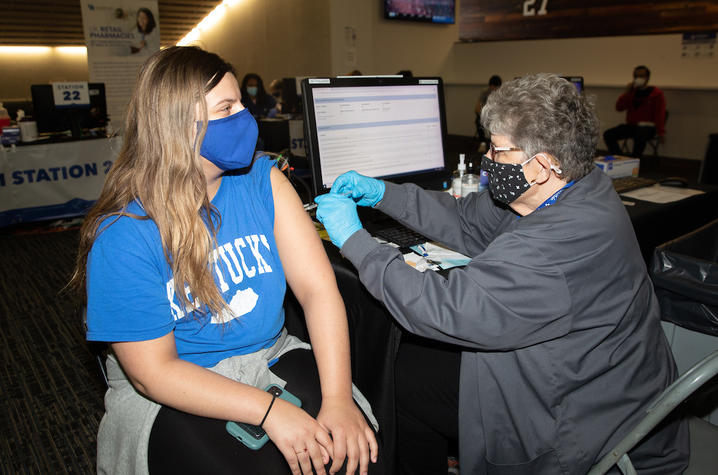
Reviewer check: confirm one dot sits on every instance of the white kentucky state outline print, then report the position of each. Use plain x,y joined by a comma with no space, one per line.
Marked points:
242,303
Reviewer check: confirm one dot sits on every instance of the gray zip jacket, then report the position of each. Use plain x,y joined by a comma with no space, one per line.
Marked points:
563,348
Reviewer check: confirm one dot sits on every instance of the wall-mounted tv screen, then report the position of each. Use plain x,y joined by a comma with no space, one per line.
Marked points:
434,11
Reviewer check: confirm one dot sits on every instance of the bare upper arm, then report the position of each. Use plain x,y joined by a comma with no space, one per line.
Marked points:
141,360
304,260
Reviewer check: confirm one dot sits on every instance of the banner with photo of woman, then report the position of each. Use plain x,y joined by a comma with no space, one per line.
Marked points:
119,35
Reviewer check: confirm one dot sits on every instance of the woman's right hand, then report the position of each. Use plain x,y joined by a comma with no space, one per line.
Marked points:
300,438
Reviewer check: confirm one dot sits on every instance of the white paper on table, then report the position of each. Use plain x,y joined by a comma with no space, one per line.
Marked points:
444,256
418,262
661,194
382,241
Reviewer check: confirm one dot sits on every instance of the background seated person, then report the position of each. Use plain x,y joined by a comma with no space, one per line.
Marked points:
255,97
645,109
555,315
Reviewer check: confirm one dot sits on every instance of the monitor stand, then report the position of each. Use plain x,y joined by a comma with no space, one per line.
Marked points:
75,124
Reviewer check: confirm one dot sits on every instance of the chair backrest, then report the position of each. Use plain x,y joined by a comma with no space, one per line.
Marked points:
673,395
98,349
709,167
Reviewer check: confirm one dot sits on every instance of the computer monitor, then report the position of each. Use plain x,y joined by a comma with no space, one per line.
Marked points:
290,96
576,81
384,127
77,118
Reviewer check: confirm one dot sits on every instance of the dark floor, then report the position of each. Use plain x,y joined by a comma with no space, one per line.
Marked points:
51,390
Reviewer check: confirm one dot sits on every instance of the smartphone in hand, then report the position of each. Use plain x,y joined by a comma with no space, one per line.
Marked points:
253,436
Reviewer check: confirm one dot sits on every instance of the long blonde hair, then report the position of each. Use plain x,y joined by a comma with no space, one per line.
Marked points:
159,166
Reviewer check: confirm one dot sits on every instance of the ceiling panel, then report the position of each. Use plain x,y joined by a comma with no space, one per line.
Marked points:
59,22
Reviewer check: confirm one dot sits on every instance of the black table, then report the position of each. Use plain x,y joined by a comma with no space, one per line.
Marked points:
656,224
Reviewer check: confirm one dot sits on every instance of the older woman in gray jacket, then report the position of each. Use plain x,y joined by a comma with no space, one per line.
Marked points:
558,325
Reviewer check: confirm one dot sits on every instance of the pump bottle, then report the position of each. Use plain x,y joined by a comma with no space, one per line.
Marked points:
457,176
470,181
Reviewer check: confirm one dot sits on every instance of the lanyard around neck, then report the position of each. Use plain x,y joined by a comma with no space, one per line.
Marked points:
553,198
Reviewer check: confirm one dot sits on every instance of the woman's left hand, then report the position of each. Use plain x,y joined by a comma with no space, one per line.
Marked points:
353,438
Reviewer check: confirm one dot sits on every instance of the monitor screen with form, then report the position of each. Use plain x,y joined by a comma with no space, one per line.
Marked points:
385,127
576,81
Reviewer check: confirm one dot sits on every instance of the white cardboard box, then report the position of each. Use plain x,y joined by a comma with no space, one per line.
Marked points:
617,166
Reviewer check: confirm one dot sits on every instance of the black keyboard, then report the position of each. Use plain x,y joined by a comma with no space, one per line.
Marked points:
629,183
399,235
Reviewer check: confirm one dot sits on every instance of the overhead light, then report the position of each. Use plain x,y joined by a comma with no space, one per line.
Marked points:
189,38
207,22
25,49
72,50
68,50
213,17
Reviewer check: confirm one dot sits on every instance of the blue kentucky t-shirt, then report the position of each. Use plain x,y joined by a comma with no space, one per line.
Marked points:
131,295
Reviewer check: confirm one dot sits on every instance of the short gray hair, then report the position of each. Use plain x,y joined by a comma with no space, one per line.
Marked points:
545,113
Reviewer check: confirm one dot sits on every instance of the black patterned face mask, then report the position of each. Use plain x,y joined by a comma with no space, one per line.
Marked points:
506,180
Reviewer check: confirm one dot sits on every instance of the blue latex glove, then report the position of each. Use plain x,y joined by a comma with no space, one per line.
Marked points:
362,189
338,214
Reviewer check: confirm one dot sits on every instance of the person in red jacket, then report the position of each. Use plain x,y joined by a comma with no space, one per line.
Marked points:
645,109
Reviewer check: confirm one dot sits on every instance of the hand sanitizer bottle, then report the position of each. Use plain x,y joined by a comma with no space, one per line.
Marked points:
457,176
469,182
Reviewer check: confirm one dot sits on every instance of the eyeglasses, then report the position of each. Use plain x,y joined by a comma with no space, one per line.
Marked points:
493,150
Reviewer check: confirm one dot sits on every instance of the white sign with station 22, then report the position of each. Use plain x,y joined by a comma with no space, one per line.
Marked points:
70,94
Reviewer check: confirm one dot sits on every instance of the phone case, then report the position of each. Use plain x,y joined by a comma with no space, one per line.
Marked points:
253,436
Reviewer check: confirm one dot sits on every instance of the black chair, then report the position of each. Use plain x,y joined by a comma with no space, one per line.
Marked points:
709,166
654,143
99,349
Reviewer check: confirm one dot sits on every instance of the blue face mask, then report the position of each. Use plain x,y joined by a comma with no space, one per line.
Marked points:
252,91
229,142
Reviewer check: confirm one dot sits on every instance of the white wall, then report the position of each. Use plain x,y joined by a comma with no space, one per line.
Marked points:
692,115
607,61
20,68
386,46
273,38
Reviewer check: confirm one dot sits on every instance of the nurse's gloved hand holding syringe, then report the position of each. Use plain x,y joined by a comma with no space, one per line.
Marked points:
337,210
362,189
338,214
